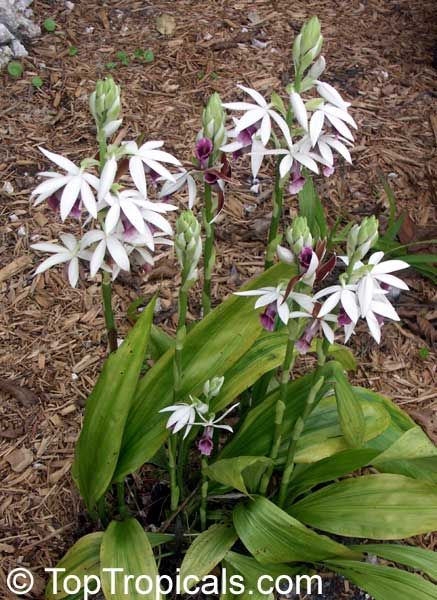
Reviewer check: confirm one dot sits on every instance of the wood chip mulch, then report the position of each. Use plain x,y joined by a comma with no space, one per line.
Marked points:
379,55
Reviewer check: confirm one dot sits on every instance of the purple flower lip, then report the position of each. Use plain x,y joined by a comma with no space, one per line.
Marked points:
203,151
54,202
206,444
305,258
76,211
297,183
268,317
328,171
211,178
343,318
245,136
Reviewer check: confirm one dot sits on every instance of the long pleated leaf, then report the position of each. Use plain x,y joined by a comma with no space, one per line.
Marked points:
411,556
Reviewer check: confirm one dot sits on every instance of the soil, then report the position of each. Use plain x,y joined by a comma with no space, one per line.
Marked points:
379,55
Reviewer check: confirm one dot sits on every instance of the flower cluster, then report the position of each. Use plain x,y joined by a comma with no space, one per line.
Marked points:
306,133
124,225
361,291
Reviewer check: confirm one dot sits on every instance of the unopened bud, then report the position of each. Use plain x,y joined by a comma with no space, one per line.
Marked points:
310,34
213,121
188,245
213,386
105,106
299,236
362,237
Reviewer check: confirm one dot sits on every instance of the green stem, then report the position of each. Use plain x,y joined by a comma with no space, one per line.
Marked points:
174,489
208,249
272,243
109,313
287,366
122,508
101,138
295,436
203,493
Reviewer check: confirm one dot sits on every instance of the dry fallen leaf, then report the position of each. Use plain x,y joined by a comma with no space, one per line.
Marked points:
20,459
166,24
22,394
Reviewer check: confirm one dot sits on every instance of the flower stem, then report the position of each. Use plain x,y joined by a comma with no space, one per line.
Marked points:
101,138
174,489
109,313
122,508
203,493
295,436
287,366
208,250
272,243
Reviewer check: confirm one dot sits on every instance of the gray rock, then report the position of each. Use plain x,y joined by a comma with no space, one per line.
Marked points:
15,25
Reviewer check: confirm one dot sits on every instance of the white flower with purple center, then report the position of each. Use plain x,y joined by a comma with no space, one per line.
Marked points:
345,294
182,179
70,252
151,156
261,112
317,323
276,295
105,242
76,184
183,415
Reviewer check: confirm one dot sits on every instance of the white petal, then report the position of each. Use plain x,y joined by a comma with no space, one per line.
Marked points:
283,311
61,161
107,178
118,253
298,314
385,309
329,304
232,147
389,266
97,258
326,152
365,294
265,129
48,247
133,215
112,217
239,106
303,300
88,199
69,241
307,161
250,118
159,156
391,280
73,271
157,220
254,94
374,327
282,126
329,93
376,257
49,187
316,124
92,180
329,334
340,114
192,191
326,291
341,148
91,237
349,303
51,261
285,255
69,196
257,155
136,170
341,127
266,299
158,168
285,165
300,112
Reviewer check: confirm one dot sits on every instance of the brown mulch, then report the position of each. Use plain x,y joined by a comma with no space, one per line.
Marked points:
379,54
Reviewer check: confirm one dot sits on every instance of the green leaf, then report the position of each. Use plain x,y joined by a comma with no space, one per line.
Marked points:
49,25
211,349
15,69
252,570
411,556
273,536
207,551
149,56
125,546
266,354
332,467
383,506
37,82
230,471
106,412
278,103
72,51
111,65
83,558
157,539
386,583
311,208
160,342
344,356
350,411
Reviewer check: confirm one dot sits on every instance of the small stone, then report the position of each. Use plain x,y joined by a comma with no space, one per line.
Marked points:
18,49
69,5
5,35
8,187
20,459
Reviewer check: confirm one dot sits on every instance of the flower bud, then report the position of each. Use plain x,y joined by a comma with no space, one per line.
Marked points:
213,122
310,35
317,68
213,386
299,236
188,245
105,106
362,237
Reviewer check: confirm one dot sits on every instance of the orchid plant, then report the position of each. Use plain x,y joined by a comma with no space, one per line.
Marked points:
257,456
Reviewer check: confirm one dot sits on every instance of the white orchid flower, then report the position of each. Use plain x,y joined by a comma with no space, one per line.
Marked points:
345,294
106,242
149,154
260,111
319,321
270,295
330,94
184,415
107,177
77,183
338,118
129,204
183,178
293,153
70,252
